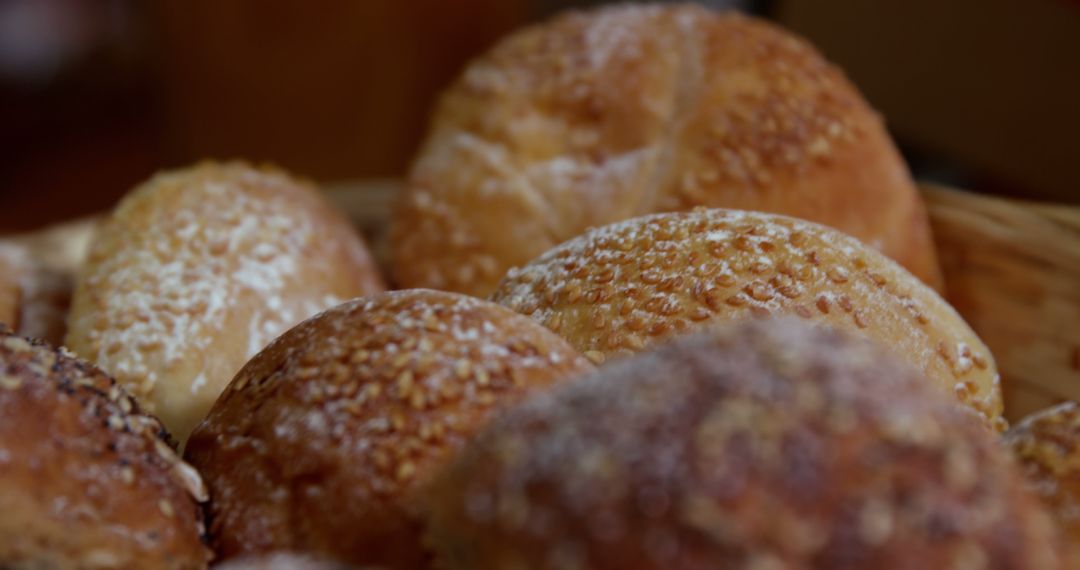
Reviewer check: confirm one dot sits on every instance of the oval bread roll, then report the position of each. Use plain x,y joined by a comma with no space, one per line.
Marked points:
320,440
762,446
87,480
599,116
198,269
620,288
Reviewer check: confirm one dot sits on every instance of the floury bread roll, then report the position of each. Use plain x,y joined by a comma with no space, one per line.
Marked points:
773,446
600,116
320,441
620,288
1047,445
87,480
198,269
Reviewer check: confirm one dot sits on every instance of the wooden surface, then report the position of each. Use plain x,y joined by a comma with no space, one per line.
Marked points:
1012,270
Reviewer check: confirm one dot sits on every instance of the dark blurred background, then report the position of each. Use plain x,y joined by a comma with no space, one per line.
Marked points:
95,95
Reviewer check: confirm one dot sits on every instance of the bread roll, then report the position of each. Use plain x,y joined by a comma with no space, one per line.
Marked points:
198,269
623,287
34,297
87,480
320,439
767,445
281,561
1047,445
600,116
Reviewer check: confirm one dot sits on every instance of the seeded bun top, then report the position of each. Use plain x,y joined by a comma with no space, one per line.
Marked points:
623,287
87,480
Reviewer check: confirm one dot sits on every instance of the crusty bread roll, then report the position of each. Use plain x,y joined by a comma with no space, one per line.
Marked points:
766,445
595,117
1047,445
280,561
198,269
34,296
87,480
620,288
320,439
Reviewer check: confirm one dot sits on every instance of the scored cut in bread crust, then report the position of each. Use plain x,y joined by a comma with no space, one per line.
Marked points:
599,116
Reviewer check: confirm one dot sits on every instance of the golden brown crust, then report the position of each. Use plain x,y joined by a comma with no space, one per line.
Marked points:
764,445
198,269
620,288
86,479
595,117
317,442
34,296
1047,445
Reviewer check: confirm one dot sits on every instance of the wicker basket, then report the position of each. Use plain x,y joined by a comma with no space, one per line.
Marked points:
1012,270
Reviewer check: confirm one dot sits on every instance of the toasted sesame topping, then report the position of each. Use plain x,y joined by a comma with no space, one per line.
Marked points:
821,275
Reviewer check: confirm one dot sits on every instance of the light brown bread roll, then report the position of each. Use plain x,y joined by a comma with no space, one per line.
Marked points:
320,440
87,480
773,445
1047,445
197,269
599,116
623,287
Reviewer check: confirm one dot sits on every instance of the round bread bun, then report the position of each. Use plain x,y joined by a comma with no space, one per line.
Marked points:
623,287
1047,445
87,480
320,439
600,116
281,561
760,446
198,269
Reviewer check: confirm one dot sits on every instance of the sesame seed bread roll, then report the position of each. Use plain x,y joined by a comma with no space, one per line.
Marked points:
766,445
623,287
87,480
1047,445
320,439
197,269
599,116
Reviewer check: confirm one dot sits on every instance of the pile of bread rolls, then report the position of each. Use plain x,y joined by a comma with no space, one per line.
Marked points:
665,299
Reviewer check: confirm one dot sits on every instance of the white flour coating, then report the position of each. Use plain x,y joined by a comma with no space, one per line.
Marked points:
190,278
